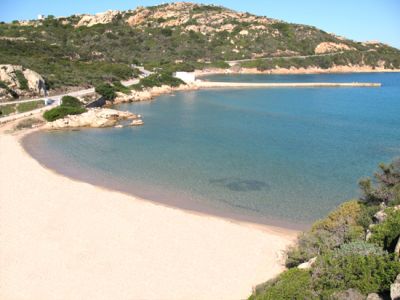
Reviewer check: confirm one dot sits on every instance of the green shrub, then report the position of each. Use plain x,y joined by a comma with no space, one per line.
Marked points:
7,109
340,270
71,101
107,91
23,83
386,185
119,87
159,79
365,218
387,233
293,284
62,111
28,106
361,248
338,227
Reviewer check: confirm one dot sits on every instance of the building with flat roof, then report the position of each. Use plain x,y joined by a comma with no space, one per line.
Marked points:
187,77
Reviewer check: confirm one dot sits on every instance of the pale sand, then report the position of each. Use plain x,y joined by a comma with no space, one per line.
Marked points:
63,239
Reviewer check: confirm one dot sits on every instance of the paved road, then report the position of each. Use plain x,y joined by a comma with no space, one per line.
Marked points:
57,100
74,94
27,114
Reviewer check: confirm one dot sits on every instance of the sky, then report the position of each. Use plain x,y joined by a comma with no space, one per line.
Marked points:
361,20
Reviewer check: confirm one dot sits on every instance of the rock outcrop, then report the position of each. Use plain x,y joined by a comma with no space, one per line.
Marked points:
95,118
308,264
149,94
9,77
350,294
329,47
395,289
374,296
192,17
100,18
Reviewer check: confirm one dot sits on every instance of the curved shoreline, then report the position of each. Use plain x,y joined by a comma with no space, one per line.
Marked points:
228,213
95,229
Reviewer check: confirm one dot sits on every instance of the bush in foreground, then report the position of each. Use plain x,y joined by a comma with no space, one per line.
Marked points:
387,233
347,264
292,284
338,227
369,272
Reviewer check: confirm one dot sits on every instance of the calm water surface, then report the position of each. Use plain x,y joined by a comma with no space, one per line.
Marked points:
282,156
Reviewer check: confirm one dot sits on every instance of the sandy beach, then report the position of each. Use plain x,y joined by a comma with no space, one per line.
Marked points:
64,239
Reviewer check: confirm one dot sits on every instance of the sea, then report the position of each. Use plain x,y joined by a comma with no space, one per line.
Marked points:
276,156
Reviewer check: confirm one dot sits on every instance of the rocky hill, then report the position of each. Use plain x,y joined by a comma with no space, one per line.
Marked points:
16,81
85,49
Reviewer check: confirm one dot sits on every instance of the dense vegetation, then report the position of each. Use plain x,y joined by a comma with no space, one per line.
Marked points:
69,106
353,249
68,55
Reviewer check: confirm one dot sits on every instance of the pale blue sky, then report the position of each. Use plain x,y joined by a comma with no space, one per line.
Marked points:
356,19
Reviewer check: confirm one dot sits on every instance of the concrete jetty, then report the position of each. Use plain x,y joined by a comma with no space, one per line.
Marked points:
213,84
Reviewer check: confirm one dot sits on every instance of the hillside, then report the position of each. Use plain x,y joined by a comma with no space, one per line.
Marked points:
83,50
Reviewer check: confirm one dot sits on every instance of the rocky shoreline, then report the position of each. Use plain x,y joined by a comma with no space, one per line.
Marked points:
96,118
150,94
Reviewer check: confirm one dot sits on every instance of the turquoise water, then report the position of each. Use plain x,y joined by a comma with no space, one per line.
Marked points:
281,156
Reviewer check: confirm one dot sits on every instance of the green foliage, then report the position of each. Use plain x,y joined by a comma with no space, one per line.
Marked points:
62,111
387,233
158,79
360,248
107,91
345,261
7,109
385,187
28,106
340,270
294,284
71,101
69,106
3,85
23,83
366,216
119,87
338,227
284,28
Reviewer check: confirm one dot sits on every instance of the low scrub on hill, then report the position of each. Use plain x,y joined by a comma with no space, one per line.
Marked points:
69,55
354,247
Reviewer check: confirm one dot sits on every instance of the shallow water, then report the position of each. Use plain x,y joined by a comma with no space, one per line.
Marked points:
281,156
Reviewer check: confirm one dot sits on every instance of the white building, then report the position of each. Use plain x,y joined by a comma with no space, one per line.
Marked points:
187,77
41,17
